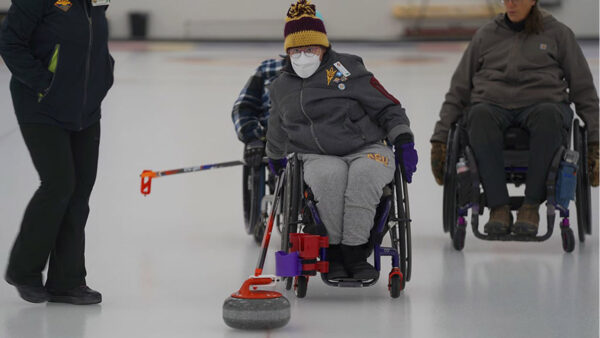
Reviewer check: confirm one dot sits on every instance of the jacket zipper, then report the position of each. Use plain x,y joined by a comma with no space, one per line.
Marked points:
89,52
512,64
312,125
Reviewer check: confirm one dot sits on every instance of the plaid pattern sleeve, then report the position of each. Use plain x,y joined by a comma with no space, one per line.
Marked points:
251,109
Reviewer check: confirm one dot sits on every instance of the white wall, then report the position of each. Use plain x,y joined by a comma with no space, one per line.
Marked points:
263,19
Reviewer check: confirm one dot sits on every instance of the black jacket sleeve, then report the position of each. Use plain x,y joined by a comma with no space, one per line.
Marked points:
15,35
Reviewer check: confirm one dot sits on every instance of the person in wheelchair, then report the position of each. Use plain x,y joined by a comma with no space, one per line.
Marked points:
524,68
333,113
250,111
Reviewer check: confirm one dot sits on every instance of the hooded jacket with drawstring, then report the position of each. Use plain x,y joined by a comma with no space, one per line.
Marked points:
331,113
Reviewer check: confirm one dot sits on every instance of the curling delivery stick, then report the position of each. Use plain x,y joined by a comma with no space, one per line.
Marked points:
148,175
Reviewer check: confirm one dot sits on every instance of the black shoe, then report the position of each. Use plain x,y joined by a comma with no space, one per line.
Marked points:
355,262
81,295
337,271
336,267
32,294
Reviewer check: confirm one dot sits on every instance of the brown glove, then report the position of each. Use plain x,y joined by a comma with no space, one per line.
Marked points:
438,161
593,163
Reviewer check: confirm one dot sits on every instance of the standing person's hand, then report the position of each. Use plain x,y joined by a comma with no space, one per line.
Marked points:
406,155
254,152
438,161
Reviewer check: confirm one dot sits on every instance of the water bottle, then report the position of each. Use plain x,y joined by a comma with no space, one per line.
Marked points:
464,181
566,182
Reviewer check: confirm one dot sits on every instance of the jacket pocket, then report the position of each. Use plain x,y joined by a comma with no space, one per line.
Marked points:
111,74
353,127
52,66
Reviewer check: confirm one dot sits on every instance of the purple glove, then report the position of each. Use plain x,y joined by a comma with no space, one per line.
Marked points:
277,166
407,158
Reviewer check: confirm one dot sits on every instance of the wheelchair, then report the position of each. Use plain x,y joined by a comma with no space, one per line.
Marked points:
302,231
258,185
466,192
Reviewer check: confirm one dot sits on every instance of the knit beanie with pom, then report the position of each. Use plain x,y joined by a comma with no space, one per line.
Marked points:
303,27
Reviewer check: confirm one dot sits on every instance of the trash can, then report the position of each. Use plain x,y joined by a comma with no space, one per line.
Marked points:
138,23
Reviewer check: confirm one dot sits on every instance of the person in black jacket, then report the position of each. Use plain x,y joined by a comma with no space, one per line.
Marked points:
57,52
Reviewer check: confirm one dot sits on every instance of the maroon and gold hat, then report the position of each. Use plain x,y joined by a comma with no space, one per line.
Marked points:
303,27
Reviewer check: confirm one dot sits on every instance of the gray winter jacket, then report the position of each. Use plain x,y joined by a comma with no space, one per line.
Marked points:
336,111
514,70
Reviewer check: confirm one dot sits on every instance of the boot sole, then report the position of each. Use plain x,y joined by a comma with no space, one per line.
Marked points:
524,229
73,300
336,277
496,229
366,276
35,300
24,295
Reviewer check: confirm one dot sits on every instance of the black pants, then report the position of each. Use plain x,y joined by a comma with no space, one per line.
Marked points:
548,125
55,218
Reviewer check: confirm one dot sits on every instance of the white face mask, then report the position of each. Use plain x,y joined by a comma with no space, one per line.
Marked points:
305,65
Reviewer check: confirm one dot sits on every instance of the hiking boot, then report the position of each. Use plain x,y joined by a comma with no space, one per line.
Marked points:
336,267
500,220
355,262
81,295
528,220
32,294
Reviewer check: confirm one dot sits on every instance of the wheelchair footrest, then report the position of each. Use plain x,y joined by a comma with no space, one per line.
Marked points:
514,238
303,256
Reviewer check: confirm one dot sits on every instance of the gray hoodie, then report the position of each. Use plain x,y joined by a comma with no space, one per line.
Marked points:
515,70
337,110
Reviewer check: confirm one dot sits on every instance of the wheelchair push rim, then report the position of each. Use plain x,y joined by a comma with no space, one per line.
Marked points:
583,189
253,190
450,190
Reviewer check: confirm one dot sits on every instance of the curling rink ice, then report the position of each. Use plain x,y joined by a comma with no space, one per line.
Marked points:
166,262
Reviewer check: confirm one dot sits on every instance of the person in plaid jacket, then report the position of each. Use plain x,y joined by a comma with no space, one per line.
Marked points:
251,110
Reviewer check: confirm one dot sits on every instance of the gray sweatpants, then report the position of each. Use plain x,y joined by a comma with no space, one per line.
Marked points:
347,190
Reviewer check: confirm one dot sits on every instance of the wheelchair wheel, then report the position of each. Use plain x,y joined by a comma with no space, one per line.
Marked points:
450,183
253,190
458,240
289,282
289,208
300,286
259,232
583,201
401,236
568,239
395,286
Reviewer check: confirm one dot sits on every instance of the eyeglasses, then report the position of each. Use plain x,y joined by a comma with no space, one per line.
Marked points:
308,51
515,2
